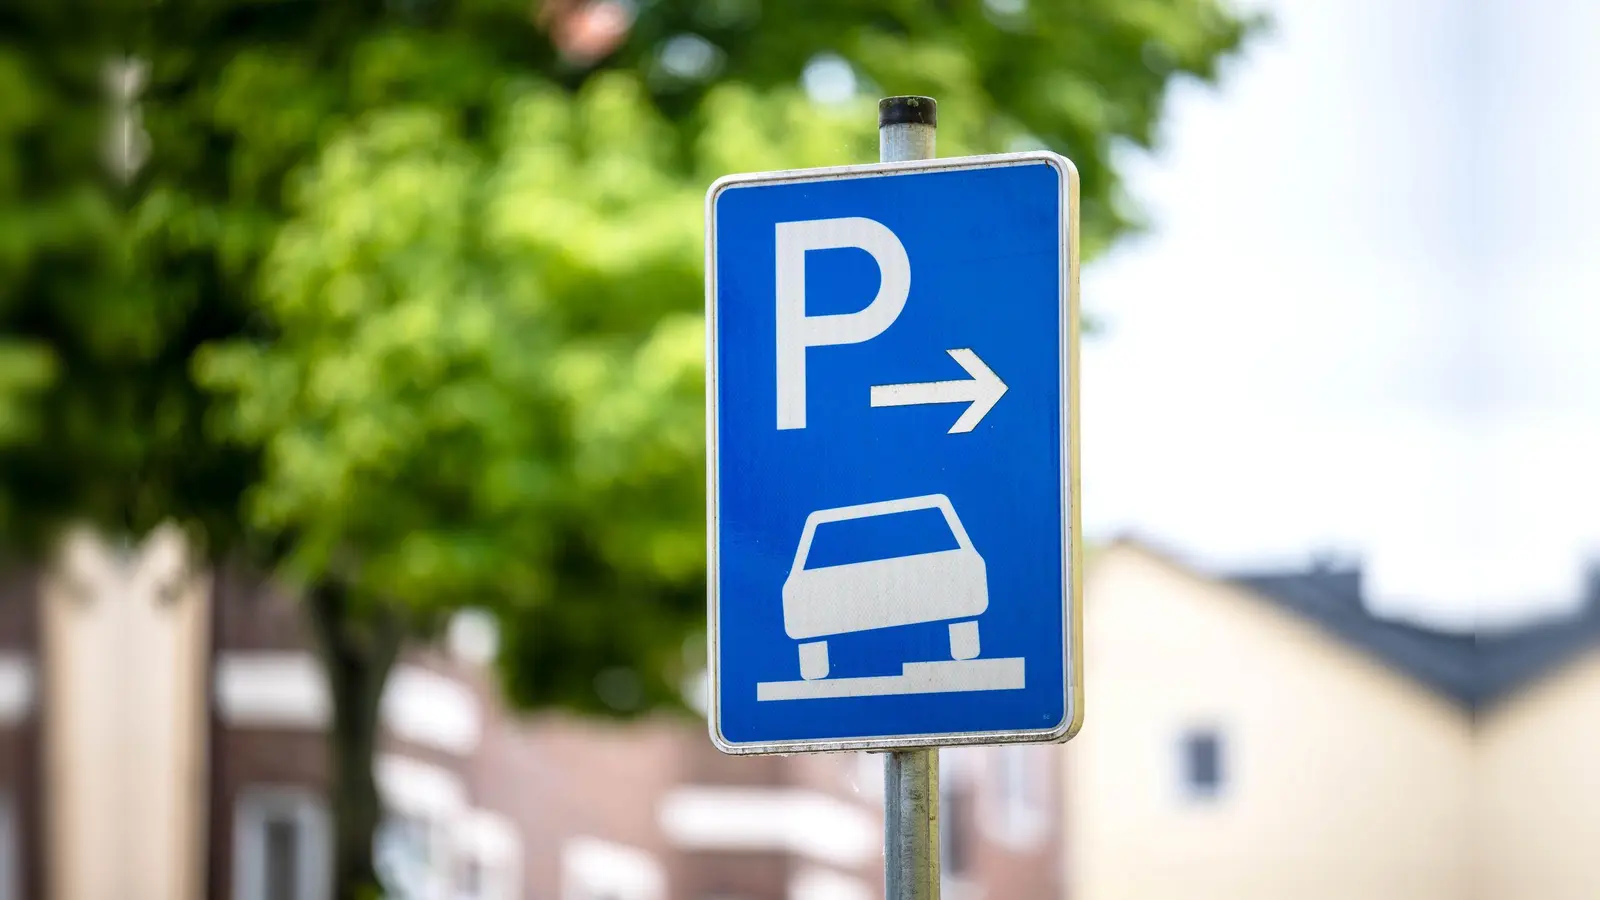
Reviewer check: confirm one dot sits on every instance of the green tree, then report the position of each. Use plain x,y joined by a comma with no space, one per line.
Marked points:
25,367
110,276
407,294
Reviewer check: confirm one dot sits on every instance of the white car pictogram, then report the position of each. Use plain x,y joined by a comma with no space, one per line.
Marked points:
883,593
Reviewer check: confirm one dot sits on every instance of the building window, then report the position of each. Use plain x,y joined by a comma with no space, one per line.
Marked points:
403,853
487,854
282,854
469,879
955,827
281,845
471,855
1202,762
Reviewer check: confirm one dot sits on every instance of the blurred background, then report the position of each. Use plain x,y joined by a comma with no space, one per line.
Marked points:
352,464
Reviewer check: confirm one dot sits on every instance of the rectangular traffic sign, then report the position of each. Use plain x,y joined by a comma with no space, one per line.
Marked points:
892,455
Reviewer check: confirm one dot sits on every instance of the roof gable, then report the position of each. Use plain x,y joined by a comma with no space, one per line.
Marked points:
1472,670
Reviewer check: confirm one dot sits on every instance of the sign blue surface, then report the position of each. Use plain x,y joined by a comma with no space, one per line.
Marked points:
892,455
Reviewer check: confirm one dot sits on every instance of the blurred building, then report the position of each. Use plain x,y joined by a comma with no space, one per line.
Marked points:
1538,760
162,736
1265,736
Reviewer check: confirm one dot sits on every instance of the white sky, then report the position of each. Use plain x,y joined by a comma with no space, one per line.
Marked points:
1367,316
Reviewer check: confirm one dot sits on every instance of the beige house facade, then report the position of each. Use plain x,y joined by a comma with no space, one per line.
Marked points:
1538,780
1267,737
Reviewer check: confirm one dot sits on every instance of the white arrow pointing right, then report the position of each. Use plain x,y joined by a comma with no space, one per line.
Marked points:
983,390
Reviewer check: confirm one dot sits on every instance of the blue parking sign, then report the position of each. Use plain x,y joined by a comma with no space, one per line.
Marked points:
892,455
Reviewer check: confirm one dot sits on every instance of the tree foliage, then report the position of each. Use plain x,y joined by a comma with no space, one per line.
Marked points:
108,283
477,376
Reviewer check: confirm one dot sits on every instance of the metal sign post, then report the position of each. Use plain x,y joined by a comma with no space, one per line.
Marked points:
907,130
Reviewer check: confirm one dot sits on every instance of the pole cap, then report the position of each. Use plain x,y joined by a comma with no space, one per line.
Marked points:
908,111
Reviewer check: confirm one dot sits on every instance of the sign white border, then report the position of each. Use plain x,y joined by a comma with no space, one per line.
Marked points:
1071,550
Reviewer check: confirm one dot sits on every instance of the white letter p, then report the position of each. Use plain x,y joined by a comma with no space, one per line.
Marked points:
797,331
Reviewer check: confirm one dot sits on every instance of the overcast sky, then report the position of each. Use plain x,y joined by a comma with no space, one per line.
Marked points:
1366,318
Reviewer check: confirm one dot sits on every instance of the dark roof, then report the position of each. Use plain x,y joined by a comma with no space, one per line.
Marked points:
1511,660
1473,670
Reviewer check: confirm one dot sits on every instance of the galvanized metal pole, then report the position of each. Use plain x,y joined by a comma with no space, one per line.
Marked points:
911,825
907,130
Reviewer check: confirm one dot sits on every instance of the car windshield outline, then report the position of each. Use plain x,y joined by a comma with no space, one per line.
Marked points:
912,532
